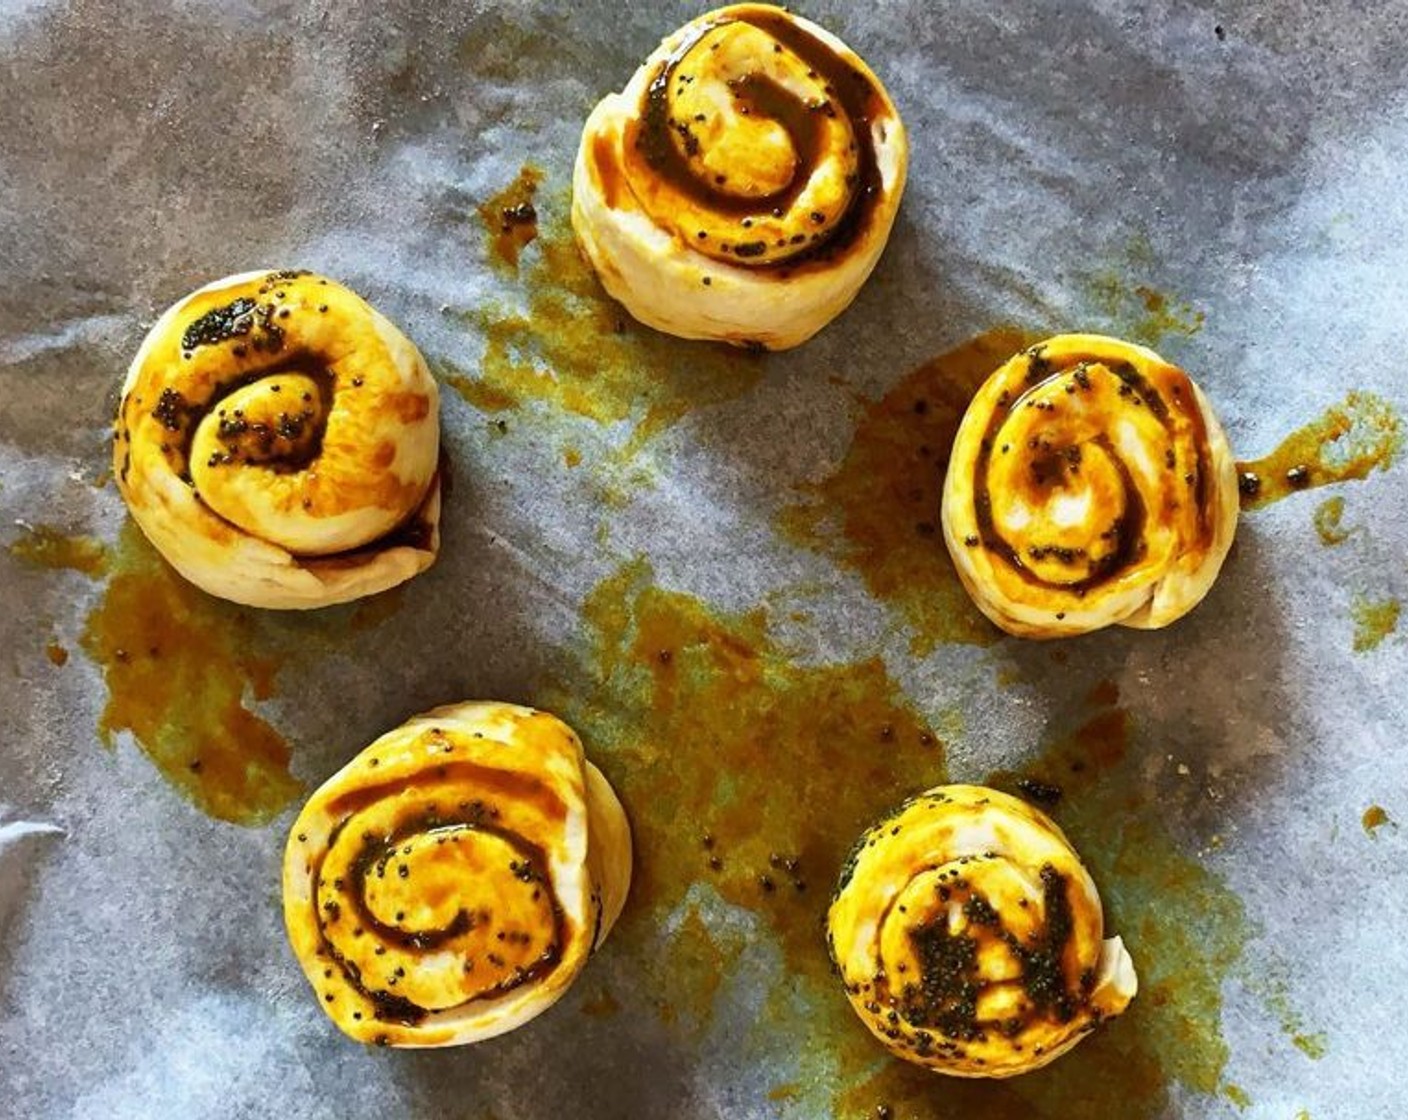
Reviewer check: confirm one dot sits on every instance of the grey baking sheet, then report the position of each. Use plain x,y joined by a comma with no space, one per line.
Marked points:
1242,162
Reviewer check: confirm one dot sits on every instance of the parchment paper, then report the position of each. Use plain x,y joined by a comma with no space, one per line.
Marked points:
1252,154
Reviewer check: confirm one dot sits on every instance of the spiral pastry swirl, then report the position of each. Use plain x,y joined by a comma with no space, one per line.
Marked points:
744,183
278,442
449,883
1090,484
969,936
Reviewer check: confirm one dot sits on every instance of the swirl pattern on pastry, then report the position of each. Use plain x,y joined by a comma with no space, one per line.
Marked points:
278,441
743,185
448,884
970,938
1090,484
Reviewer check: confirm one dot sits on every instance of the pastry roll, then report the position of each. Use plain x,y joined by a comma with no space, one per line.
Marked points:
448,884
278,442
1090,484
744,183
970,937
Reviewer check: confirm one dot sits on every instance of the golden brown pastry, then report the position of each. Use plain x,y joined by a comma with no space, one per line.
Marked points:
970,938
278,441
744,183
1090,484
448,884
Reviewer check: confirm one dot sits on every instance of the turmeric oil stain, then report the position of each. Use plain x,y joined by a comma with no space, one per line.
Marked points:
879,512
570,347
1329,522
510,218
43,546
1313,1046
1141,314
1374,620
1134,310
602,1005
480,394
371,612
178,667
695,956
750,775
745,773
1349,441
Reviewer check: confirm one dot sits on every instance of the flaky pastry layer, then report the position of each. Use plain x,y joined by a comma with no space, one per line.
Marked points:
449,883
970,938
744,183
278,442
1090,485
